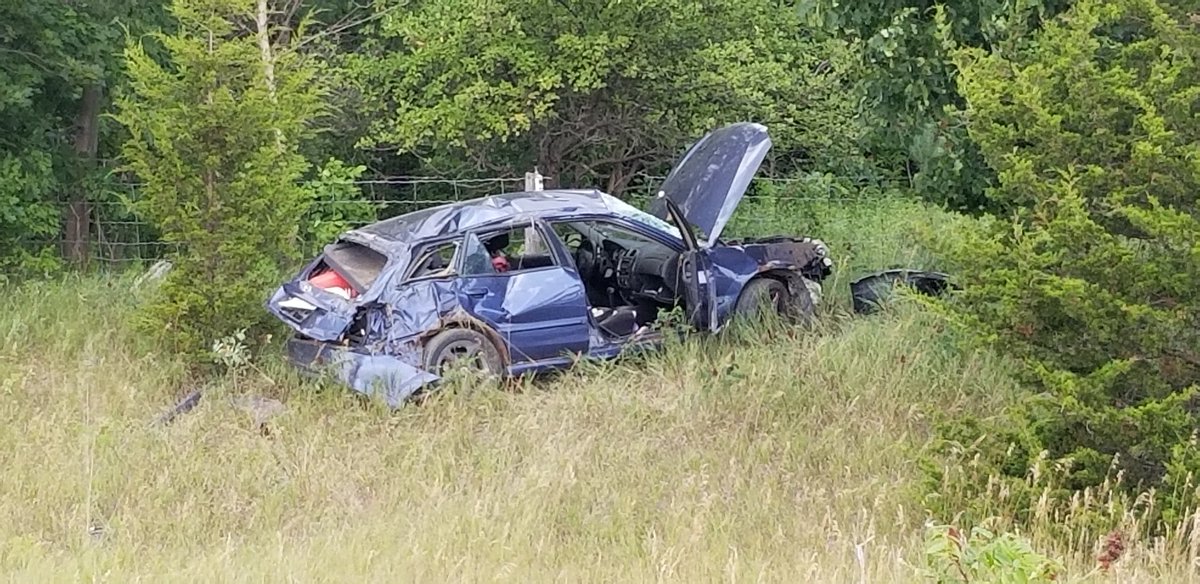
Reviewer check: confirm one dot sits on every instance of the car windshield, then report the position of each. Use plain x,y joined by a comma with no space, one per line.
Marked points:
641,216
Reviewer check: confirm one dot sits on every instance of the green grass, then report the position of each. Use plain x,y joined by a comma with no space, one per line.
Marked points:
777,455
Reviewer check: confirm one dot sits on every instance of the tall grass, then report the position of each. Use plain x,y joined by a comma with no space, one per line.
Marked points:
769,454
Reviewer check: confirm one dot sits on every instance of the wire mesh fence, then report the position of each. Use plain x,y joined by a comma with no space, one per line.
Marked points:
118,235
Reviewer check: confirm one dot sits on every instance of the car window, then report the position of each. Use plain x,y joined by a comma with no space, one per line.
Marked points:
476,260
435,261
510,249
640,216
612,231
570,234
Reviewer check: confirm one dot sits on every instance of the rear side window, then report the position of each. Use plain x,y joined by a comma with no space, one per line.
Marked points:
357,264
476,259
435,261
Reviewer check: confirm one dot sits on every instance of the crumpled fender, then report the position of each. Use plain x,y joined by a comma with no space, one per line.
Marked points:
382,376
871,291
392,378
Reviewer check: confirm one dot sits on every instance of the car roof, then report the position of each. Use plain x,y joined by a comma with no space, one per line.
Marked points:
434,222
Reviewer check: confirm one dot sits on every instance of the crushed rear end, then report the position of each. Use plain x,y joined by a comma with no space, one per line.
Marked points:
334,306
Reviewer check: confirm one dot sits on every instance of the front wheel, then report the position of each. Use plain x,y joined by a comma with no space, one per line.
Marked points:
762,296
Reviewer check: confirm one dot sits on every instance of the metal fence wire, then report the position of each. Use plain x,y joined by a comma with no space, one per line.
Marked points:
117,235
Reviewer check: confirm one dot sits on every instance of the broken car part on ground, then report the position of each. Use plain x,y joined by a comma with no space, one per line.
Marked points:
530,281
870,292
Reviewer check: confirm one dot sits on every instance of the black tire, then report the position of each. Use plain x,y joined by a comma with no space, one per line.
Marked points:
801,307
768,295
463,347
762,296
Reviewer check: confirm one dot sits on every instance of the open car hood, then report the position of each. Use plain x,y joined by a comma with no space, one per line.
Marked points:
710,180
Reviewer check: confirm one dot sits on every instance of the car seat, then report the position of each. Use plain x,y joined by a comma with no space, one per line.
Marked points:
621,321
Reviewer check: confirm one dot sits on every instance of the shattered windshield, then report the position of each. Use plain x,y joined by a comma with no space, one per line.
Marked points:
640,216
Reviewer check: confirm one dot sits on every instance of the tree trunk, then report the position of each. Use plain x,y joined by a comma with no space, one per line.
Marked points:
549,166
77,239
620,177
263,25
264,45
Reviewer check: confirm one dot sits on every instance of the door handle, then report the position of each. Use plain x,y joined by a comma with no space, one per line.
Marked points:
475,292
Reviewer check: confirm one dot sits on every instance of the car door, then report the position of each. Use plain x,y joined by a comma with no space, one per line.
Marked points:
541,312
695,269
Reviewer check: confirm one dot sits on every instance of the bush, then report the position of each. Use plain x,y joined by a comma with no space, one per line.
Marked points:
215,136
335,205
1092,286
984,556
27,221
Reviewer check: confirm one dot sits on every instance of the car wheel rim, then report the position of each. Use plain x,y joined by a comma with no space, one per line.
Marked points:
461,354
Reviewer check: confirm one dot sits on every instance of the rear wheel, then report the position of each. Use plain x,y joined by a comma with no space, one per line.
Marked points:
464,349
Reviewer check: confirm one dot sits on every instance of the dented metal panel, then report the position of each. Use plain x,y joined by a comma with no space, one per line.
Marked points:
871,291
380,376
711,179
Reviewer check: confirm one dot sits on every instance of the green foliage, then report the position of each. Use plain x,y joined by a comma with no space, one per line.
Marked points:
1092,286
984,556
49,52
215,135
601,88
911,101
27,220
335,204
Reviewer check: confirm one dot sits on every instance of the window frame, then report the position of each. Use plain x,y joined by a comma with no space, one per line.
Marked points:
421,256
549,239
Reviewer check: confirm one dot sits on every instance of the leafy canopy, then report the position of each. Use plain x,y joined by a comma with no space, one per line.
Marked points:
49,51
1092,132
912,104
600,88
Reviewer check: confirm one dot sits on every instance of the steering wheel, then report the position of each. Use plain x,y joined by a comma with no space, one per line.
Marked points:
625,261
585,258
592,255
609,261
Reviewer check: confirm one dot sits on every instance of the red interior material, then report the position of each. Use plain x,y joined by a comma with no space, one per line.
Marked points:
331,279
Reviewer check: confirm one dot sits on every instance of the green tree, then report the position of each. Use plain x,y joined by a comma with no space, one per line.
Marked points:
59,62
215,133
912,106
594,92
1093,134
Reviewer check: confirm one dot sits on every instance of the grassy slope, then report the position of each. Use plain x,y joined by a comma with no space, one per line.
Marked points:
733,457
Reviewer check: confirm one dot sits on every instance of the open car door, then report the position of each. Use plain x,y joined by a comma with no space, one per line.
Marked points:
695,271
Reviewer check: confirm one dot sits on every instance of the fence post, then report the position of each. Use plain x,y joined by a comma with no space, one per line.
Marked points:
533,239
534,180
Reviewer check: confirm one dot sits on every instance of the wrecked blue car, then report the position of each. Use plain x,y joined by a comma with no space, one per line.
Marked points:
524,282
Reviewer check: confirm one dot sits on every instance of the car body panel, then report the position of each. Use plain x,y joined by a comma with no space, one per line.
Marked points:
712,177
539,313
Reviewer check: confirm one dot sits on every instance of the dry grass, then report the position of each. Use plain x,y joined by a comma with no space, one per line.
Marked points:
756,456
722,458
